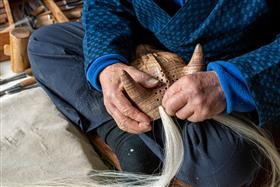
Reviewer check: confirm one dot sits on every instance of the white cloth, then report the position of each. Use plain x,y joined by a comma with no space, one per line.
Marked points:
38,144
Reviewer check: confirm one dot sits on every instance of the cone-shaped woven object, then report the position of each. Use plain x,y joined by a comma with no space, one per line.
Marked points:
167,68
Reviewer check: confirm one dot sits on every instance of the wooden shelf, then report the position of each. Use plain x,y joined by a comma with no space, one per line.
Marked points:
4,36
50,8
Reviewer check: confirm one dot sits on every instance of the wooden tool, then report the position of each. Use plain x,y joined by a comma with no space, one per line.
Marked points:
16,77
57,13
18,87
18,49
69,3
36,7
167,68
74,13
43,20
38,11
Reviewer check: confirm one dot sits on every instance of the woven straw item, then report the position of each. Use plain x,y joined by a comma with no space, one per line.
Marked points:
164,66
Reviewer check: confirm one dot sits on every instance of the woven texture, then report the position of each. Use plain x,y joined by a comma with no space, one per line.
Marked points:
245,33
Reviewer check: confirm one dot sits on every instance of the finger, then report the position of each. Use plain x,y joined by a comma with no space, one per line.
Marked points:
171,91
185,113
175,103
127,124
126,108
194,118
143,78
201,115
109,107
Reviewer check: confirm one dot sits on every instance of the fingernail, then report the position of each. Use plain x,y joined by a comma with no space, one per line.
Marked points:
153,81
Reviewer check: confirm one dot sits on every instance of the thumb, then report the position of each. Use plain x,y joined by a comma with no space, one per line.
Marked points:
144,79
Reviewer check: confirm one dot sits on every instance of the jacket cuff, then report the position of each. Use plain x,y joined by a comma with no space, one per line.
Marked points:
237,94
95,67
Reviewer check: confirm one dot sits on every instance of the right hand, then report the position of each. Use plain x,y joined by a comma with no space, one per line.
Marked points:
127,117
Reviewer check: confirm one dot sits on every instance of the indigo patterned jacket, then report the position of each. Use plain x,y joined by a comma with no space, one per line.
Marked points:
245,33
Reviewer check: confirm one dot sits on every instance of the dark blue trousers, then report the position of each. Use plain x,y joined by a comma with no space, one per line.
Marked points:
214,155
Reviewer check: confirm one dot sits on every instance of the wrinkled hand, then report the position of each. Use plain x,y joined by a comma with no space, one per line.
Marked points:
195,97
127,117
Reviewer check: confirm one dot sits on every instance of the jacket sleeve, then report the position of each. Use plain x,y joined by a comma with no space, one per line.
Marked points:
261,70
108,28
237,95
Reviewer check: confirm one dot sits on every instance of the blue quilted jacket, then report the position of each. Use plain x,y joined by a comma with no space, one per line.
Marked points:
245,33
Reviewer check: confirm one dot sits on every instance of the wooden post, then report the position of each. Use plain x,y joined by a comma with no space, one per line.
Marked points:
18,46
57,13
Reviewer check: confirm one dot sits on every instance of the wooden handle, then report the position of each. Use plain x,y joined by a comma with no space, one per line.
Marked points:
57,13
28,82
29,71
18,42
43,20
38,11
74,13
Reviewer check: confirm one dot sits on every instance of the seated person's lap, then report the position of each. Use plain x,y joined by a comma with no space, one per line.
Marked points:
214,155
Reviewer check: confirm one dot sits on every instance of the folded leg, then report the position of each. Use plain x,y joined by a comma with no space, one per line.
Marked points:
56,56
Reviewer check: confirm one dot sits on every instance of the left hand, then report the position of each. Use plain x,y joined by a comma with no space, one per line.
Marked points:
195,97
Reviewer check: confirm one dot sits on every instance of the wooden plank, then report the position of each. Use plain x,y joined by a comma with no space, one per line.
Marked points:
4,39
105,150
8,12
57,13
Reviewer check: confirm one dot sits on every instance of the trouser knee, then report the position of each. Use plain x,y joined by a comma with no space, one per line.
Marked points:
217,156
132,152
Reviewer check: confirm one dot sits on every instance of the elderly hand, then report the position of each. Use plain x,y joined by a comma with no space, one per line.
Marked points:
195,97
127,117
